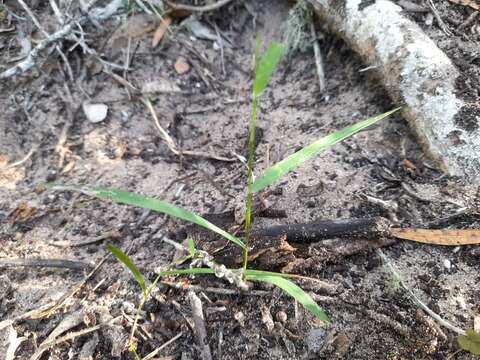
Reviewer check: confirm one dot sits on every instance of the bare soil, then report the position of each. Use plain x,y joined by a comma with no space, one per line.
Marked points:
372,318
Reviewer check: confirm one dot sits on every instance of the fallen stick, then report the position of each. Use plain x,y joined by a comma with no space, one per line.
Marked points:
416,74
204,8
400,280
31,58
327,229
199,328
369,228
318,59
42,263
114,235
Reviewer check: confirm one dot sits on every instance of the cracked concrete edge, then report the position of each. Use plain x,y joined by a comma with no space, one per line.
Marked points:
416,73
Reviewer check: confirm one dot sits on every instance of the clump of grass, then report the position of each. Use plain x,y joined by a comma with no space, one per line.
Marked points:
264,68
263,72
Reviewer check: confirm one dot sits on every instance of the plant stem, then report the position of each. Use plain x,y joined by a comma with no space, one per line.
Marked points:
251,151
131,341
146,294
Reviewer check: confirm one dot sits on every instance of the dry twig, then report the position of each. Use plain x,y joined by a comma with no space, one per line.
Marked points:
47,345
318,59
50,308
95,14
157,350
440,22
199,329
204,8
171,143
414,297
42,263
115,235
40,27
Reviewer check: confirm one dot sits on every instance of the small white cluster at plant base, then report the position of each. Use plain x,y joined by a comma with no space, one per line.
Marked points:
232,276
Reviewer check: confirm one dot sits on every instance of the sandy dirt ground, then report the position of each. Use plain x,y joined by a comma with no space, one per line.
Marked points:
379,172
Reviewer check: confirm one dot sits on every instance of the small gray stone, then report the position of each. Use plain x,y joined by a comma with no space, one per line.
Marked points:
316,338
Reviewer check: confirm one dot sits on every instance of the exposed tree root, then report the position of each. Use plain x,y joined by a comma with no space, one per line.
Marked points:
417,75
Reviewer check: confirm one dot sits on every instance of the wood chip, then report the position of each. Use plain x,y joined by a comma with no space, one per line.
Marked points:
409,165
161,30
68,167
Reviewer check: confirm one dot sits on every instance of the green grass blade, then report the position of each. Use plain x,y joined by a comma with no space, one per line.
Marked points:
294,291
270,273
266,66
120,255
275,172
470,342
130,198
191,247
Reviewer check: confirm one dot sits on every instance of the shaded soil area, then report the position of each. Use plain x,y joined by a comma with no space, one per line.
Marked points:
379,172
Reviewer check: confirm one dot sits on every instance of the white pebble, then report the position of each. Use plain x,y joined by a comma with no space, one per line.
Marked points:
447,264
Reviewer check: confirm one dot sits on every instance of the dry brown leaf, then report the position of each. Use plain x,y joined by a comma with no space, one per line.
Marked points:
448,237
161,30
470,3
23,212
181,65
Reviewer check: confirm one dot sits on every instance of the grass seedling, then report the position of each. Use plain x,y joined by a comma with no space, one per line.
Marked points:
264,68
263,72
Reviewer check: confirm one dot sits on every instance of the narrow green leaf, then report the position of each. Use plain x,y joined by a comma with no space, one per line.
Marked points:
191,247
470,342
266,66
258,43
120,255
130,198
293,290
270,273
276,171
